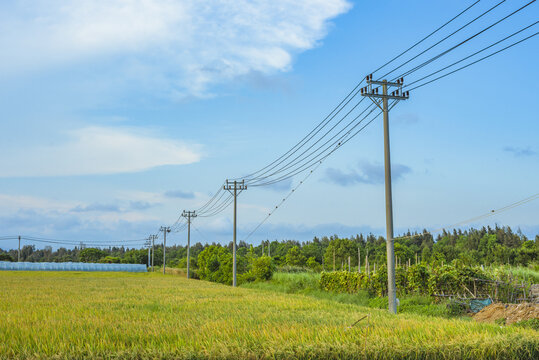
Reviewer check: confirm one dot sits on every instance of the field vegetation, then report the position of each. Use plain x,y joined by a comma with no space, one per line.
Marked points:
66,315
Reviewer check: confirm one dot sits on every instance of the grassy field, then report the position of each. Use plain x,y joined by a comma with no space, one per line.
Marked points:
308,284
65,315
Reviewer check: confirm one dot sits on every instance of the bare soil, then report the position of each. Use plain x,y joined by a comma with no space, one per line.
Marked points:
512,313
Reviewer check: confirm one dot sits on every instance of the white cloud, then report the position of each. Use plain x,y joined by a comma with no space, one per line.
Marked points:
193,43
98,150
13,203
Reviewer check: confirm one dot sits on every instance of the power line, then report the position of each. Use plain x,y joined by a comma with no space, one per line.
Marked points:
463,42
469,56
335,145
282,201
308,137
295,160
474,62
202,235
213,206
78,243
445,38
426,37
85,241
479,217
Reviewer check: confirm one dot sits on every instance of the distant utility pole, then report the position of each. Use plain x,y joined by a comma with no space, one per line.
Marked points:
165,230
235,188
19,251
149,248
188,215
382,102
153,237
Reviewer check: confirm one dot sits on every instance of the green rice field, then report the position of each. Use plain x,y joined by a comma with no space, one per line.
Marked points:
67,315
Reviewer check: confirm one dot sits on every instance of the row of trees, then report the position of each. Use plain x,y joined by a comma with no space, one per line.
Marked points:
499,245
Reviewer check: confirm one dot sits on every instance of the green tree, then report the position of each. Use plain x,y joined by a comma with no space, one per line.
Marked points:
262,268
342,248
215,264
294,257
5,257
91,255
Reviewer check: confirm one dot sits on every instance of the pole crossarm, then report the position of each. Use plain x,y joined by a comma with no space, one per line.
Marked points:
232,186
372,92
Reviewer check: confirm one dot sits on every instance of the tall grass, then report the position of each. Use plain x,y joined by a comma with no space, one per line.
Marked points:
529,274
69,315
308,284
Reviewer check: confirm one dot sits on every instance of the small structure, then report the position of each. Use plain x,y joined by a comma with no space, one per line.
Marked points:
70,266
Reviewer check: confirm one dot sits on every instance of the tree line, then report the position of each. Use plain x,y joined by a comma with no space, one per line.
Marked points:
498,245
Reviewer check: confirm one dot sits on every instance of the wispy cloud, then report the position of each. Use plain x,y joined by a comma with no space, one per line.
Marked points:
140,205
96,207
366,173
113,207
519,151
97,150
280,186
43,216
179,194
198,42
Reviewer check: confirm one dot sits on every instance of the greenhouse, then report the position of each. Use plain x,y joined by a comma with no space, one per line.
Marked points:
70,266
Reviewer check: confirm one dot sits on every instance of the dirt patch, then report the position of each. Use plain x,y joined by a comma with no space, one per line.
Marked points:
512,313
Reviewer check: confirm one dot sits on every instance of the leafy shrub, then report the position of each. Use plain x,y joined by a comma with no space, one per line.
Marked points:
378,282
343,281
418,277
215,264
6,257
91,255
110,260
246,277
262,268
313,264
294,257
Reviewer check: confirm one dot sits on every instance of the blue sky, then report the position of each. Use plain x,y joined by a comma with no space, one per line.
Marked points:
118,115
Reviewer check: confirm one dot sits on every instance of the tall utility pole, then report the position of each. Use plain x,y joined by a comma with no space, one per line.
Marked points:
153,237
19,252
235,188
165,230
188,215
382,102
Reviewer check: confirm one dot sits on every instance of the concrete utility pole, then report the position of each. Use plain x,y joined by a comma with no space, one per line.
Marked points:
165,230
188,215
382,102
149,248
235,188
153,237
19,251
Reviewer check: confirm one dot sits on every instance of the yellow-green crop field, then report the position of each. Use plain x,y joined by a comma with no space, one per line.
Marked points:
74,315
